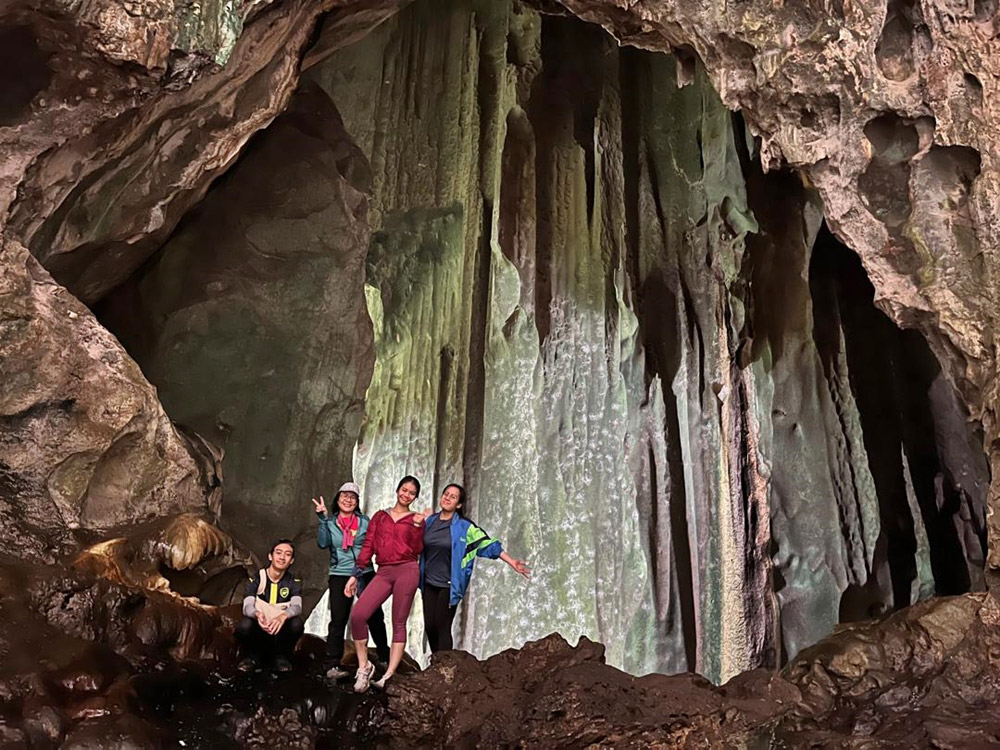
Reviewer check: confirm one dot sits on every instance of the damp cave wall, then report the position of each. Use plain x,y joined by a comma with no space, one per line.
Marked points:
593,309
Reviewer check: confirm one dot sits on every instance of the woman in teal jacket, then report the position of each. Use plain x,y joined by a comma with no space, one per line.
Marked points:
451,545
343,535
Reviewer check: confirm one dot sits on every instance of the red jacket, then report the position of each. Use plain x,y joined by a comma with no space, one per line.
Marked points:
391,542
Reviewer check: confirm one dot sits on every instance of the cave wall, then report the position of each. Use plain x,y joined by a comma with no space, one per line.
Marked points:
85,444
113,124
251,321
101,159
121,120
595,310
890,110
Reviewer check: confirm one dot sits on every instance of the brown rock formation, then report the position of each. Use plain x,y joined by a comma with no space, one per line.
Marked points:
924,677
141,142
184,556
85,443
263,344
549,694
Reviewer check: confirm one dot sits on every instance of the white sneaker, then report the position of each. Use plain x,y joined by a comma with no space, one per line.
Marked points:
380,684
363,678
337,673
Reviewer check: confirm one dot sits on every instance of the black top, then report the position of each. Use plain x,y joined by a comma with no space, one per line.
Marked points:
437,553
275,593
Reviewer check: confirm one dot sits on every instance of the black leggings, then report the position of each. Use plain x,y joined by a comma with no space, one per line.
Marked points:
438,617
340,613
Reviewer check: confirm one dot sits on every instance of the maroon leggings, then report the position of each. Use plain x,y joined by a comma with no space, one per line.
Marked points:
400,581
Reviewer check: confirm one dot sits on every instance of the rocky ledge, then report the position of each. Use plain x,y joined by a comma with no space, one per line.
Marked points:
138,653
927,676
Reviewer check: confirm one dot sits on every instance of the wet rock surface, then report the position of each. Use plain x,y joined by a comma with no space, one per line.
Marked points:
891,110
107,654
82,429
264,345
260,709
139,667
923,677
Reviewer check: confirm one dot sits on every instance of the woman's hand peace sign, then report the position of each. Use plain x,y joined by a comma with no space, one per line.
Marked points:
319,505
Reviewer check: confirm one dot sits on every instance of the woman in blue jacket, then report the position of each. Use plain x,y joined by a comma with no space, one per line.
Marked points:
343,535
451,545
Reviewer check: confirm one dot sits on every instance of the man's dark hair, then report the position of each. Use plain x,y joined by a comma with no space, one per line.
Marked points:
409,480
289,542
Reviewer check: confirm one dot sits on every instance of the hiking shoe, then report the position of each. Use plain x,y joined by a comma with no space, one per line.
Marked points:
364,678
248,664
281,664
337,673
380,684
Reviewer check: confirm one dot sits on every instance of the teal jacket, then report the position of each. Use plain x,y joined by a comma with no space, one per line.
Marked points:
329,536
468,542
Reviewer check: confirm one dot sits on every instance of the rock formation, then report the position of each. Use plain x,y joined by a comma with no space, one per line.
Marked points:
252,322
564,260
671,345
84,443
890,111
917,678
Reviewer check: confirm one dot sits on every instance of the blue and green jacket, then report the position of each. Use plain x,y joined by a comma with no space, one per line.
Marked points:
468,542
329,536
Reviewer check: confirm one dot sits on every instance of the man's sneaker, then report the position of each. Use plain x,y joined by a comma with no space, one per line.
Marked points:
248,664
364,678
380,684
337,673
282,664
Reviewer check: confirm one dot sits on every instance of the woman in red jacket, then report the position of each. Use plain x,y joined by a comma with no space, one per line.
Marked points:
396,539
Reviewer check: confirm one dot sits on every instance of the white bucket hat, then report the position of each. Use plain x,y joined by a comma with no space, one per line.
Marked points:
350,487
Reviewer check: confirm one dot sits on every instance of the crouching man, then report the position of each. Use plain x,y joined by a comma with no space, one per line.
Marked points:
272,612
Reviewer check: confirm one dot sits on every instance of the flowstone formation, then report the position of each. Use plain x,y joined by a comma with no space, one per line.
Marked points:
660,370
600,314
890,109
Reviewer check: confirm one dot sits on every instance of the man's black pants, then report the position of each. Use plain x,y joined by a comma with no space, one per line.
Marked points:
253,639
340,614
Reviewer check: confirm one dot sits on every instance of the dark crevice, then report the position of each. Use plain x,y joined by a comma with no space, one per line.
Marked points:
445,387
563,108
517,225
476,389
893,375
26,72
628,60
